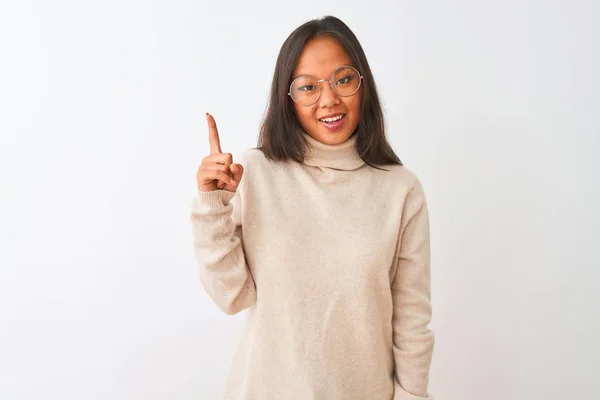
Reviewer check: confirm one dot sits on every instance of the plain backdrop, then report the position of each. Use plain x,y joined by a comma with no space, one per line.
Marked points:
494,104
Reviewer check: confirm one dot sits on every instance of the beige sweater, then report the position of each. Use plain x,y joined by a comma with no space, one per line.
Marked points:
331,261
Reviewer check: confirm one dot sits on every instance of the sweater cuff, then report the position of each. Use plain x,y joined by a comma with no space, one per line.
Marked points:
214,199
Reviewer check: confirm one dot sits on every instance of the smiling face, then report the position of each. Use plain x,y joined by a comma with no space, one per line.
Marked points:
320,58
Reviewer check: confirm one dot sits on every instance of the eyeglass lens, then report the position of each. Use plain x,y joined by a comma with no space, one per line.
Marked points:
305,90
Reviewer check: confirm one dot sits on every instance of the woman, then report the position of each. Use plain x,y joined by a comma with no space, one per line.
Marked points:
321,235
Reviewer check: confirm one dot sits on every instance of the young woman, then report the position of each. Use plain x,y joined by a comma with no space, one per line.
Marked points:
321,235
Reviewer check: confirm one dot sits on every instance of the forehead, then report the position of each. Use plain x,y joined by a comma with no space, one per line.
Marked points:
320,57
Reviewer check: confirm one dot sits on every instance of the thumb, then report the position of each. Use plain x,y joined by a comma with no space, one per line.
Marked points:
237,170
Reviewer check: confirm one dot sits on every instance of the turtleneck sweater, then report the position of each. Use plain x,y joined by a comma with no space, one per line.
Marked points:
330,261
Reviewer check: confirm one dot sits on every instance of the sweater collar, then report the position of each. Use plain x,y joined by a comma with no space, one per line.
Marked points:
340,156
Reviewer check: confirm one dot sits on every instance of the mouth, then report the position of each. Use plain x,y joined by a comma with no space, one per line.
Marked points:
333,121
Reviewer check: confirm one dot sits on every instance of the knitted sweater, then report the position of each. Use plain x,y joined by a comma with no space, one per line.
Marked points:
330,259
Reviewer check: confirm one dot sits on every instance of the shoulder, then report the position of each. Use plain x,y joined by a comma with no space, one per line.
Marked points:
254,163
399,176
404,186
251,157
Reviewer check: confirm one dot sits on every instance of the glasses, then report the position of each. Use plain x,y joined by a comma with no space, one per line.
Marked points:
344,81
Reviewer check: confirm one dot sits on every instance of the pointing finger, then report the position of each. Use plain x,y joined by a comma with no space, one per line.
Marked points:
213,135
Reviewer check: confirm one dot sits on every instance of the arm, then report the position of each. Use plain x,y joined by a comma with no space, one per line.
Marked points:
411,295
218,247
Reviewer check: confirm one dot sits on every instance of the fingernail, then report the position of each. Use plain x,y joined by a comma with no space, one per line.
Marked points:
234,182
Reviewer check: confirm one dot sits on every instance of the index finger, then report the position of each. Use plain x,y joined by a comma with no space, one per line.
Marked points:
213,135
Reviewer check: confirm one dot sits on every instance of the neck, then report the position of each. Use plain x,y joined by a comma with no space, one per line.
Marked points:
340,156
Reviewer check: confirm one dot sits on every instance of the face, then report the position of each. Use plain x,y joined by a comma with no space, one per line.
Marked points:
320,58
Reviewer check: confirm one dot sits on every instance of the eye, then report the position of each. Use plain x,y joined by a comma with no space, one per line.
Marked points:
306,88
344,80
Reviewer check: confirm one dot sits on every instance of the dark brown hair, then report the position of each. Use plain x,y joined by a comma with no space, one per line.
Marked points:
281,136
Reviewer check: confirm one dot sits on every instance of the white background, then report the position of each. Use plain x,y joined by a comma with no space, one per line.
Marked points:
494,104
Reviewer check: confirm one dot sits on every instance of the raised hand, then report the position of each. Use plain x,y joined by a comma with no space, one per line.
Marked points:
217,170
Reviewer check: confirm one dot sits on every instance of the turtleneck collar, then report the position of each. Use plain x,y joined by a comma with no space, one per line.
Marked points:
340,156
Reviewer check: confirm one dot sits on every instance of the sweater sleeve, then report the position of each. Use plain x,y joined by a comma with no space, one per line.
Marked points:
413,342
218,248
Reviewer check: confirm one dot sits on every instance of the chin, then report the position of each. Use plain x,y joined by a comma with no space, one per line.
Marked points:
332,135
332,138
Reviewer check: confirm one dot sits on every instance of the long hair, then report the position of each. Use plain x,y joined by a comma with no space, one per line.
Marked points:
281,135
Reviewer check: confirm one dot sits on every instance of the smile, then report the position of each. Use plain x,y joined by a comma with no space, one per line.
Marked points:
331,120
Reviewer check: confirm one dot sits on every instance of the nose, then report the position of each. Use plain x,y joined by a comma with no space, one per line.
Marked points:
328,97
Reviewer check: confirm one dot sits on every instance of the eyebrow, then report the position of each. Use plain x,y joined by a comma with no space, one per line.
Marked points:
312,76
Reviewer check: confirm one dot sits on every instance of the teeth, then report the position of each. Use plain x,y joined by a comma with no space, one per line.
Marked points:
333,119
